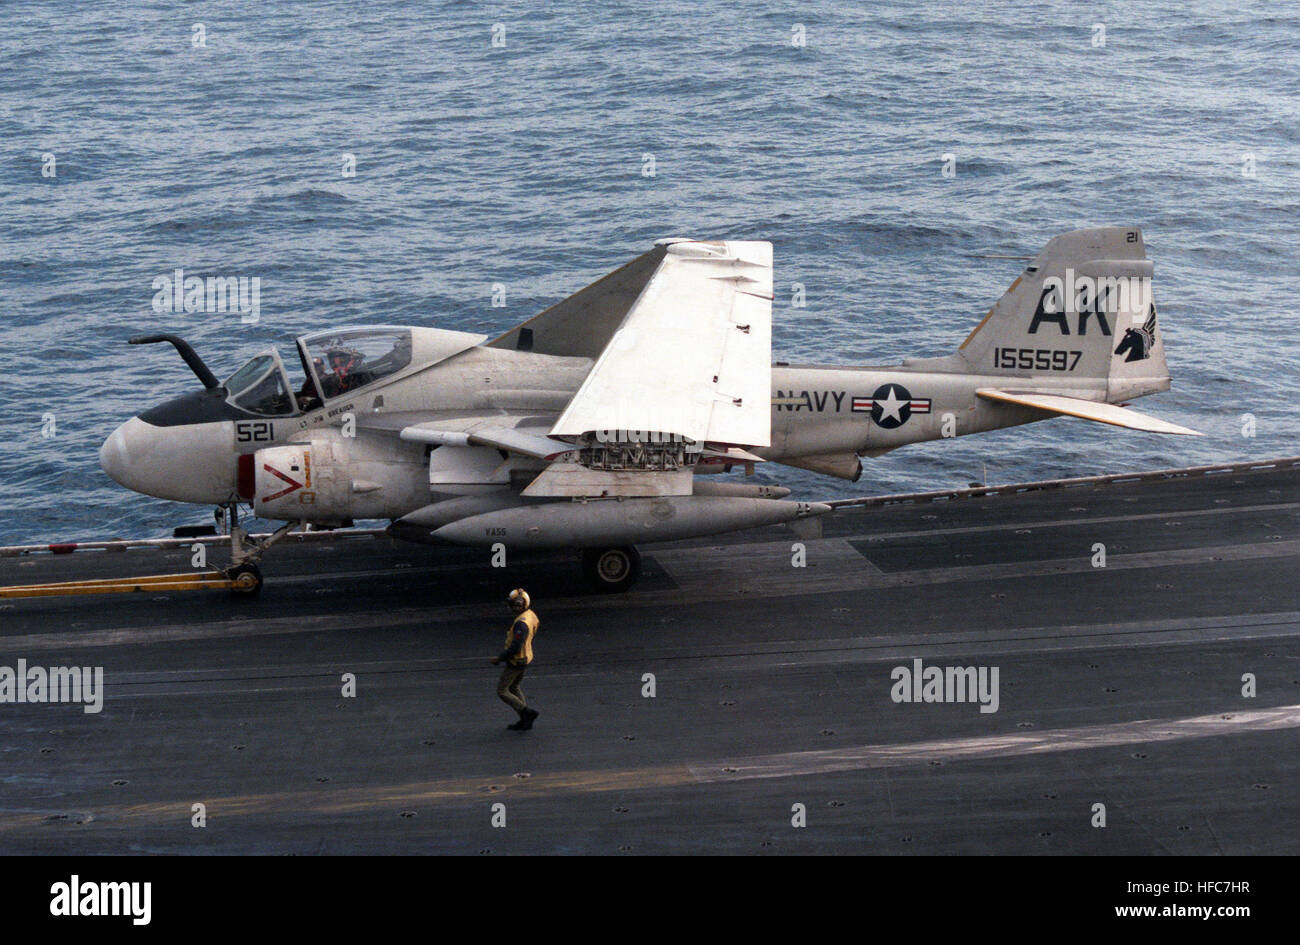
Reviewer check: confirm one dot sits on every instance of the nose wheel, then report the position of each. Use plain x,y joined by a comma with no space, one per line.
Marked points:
244,574
611,570
246,579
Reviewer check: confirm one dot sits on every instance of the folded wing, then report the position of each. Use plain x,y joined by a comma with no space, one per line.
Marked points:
692,356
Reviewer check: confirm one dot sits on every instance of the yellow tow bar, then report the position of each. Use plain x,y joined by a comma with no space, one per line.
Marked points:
244,579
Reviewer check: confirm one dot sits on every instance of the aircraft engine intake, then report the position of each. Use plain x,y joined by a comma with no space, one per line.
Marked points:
333,478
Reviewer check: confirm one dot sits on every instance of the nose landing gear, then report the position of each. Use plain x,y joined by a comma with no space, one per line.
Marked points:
244,574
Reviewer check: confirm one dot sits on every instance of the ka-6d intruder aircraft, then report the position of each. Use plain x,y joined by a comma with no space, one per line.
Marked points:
588,426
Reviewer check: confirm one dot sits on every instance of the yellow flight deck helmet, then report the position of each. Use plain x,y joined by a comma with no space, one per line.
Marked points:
520,596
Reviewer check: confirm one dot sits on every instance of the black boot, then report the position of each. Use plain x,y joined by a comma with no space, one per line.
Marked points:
523,724
527,717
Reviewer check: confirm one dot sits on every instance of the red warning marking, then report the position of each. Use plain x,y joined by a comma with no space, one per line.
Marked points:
245,476
293,484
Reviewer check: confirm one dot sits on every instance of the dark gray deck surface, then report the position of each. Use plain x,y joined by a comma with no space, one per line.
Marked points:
1118,686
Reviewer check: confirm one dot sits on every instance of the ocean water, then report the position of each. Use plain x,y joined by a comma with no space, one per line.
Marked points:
520,163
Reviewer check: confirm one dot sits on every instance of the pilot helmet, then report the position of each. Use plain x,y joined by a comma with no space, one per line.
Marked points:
343,360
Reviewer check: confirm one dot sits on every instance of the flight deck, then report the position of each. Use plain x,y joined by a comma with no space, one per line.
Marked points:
741,698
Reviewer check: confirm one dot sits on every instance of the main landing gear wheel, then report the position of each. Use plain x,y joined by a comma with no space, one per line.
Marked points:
610,570
247,579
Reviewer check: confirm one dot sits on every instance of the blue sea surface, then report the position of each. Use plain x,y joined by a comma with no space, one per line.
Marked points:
521,163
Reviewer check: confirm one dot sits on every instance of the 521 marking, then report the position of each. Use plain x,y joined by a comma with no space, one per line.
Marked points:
1036,359
254,431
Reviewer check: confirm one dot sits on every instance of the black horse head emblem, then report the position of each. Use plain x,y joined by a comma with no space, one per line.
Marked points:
1137,342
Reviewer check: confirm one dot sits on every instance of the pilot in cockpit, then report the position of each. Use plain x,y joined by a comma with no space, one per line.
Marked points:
344,375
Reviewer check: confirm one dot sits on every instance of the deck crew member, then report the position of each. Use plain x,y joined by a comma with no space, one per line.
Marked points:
517,656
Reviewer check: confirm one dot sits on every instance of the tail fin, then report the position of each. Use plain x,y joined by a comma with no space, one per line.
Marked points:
1082,310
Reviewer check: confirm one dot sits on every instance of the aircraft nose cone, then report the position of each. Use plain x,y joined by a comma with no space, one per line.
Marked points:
114,455
187,463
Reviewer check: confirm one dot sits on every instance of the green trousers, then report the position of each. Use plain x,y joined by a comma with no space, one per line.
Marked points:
508,688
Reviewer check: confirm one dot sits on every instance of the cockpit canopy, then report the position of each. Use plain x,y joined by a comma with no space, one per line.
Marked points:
260,387
342,361
337,363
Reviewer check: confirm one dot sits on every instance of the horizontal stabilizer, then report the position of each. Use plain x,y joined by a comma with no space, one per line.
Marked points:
1086,410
